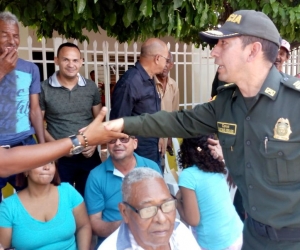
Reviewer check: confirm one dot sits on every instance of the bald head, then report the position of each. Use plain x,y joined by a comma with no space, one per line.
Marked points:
154,56
153,46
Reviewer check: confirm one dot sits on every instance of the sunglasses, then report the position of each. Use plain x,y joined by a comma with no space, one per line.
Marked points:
123,140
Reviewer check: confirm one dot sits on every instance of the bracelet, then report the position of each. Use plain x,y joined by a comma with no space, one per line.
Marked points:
85,139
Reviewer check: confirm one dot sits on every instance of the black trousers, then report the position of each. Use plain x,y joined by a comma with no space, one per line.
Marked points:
253,241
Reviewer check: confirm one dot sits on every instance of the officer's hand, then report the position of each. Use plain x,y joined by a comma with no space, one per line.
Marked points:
8,61
215,149
115,125
98,133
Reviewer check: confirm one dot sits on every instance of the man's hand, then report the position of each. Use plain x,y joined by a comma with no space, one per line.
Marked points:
99,133
8,61
89,151
161,147
215,149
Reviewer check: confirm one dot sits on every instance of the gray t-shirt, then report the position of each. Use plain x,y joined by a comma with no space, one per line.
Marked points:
67,111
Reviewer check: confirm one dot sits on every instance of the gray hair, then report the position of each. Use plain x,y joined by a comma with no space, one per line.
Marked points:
8,17
137,175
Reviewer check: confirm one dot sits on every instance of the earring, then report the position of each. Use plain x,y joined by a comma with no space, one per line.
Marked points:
199,149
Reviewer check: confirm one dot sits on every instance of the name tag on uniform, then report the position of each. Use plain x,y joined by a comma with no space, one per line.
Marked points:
227,128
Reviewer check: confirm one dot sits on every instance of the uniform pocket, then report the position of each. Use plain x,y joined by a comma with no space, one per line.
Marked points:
282,161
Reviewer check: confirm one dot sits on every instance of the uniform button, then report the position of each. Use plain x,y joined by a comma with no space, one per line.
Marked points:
253,208
250,187
223,142
248,118
248,165
280,153
248,143
285,79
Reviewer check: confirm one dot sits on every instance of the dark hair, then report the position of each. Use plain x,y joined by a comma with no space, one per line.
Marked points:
71,45
269,48
21,179
93,71
195,151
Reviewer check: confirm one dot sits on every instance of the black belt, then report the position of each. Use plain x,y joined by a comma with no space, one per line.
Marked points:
283,234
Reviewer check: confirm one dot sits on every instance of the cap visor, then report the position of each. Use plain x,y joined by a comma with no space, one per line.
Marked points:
212,36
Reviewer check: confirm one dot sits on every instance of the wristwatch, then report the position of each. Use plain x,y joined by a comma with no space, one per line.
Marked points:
77,147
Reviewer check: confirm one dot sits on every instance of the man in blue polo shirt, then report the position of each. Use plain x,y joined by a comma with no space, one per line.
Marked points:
103,186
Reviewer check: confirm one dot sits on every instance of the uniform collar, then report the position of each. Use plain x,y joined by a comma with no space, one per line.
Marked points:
270,86
53,81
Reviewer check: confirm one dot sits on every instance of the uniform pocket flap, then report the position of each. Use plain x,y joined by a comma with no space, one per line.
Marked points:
278,149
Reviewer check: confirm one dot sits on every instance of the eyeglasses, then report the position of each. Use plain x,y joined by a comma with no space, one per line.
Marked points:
149,212
168,60
123,140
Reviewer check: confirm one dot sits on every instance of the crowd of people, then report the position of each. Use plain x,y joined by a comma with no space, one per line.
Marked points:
65,193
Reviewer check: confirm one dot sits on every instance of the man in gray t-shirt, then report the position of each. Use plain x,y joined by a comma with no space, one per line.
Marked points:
70,102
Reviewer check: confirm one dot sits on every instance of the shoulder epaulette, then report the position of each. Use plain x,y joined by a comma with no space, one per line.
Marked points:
225,87
291,82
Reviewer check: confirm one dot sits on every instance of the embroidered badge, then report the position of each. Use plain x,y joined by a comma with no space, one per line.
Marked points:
270,92
227,128
234,18
282,129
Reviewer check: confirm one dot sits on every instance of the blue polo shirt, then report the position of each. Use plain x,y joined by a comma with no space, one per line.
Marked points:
103,189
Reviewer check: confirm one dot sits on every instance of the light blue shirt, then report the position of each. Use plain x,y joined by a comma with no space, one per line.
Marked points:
220,225
31,234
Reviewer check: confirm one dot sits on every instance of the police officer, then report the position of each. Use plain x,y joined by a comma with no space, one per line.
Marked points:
256,124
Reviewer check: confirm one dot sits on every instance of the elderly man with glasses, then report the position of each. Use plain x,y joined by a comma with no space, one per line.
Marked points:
149,213
103,187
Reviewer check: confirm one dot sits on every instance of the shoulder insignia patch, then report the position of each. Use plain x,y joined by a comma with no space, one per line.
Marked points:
291,82
296,85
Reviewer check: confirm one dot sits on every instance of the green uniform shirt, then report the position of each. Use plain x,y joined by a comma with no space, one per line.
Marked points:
261,150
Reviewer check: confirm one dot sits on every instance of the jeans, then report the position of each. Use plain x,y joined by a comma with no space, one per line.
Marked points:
76,169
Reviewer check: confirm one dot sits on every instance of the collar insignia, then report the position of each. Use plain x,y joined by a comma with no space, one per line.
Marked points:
270,92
